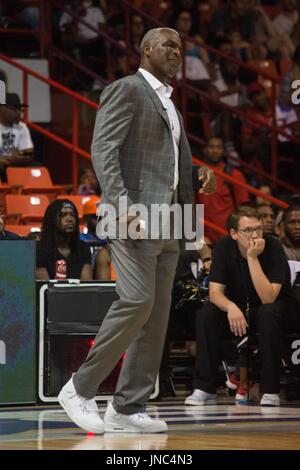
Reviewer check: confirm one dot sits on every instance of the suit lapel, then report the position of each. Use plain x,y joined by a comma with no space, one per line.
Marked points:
152,94
182,147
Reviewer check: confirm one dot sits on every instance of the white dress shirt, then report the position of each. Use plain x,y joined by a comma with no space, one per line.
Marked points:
164,92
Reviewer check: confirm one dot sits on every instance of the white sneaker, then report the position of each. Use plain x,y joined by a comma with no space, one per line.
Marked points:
80,410
270,399
138,422
199,397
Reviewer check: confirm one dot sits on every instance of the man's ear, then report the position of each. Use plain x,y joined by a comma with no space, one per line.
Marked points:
233,234
147,49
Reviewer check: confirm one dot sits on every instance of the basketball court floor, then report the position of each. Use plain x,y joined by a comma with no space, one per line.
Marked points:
211,427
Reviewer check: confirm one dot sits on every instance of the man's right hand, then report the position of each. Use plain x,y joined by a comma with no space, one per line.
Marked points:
237,321
126,218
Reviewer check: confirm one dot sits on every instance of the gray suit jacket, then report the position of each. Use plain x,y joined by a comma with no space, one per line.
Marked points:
132,148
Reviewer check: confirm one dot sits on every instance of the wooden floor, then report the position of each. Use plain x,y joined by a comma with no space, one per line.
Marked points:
223,426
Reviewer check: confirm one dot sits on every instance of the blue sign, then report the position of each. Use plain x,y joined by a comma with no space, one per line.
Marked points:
17,322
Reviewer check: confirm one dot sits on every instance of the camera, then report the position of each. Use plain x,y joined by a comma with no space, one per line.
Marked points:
195,290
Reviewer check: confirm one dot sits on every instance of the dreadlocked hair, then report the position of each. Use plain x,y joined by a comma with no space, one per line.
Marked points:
49,232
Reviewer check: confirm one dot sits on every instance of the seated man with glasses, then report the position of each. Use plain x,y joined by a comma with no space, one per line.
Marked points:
249,284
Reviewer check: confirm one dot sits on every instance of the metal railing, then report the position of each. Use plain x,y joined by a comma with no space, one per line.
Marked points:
45,32
184,86
76,99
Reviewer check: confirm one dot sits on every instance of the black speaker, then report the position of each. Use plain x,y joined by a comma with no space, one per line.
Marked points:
70,316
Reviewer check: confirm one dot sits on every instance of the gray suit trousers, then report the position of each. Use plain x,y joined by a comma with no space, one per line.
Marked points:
136,323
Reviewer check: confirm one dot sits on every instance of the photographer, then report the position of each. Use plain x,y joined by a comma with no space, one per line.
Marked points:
189,292
249,284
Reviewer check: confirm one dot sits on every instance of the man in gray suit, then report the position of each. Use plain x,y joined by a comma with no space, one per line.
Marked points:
140,152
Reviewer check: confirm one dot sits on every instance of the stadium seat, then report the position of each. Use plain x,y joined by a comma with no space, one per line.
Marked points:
25,209
32,180
269,67
24,230
78,201
4,189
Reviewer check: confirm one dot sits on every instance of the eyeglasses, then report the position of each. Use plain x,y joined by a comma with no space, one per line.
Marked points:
248,231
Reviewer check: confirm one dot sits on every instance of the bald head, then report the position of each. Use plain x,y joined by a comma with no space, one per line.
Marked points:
153,35
161,52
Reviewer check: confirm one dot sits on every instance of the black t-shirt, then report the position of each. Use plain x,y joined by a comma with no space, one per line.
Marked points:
231,269
74,263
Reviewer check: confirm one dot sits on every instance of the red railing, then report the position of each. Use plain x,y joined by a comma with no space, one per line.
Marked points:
247,166
43,30
46,43
73,146
242,184
187,87
76,99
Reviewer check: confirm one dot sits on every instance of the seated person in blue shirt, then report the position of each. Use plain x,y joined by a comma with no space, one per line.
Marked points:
99,247
4,234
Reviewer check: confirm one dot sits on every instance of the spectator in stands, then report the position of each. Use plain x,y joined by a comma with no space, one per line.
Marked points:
18,45
192,270
197,61
115,20
88,183
123,65
190,290
60,242
89,211
267,33
80,36
237,15
279,226
286,90
204,13
160,10
4,234
29,13
192,267
240,48
100,250
249,285
16,147
215,120
288,18
227,197
264,187
267,217
291,239
256,135
227,77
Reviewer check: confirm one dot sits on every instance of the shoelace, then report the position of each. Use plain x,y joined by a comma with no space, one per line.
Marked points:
144,416
87,406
